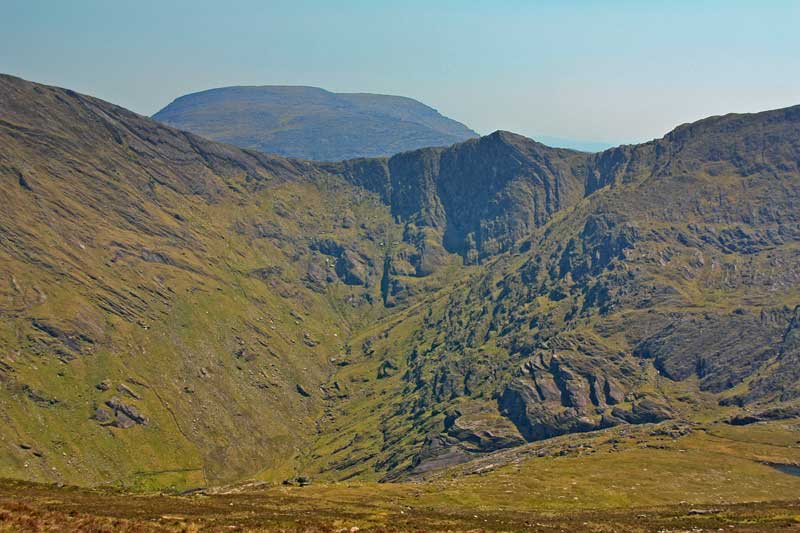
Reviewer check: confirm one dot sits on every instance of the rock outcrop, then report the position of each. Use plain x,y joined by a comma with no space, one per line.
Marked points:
550,398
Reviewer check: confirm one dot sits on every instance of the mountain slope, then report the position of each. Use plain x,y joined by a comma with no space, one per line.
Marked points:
177,312
670,291
312,123
160,323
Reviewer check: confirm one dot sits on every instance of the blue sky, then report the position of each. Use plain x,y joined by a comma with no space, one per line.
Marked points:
620,71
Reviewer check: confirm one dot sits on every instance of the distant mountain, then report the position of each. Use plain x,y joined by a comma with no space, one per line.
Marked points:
312,123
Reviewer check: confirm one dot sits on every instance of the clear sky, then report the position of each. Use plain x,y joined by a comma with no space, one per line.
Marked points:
615,71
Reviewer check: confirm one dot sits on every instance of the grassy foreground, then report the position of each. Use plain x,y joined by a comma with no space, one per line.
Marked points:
26,507
649,479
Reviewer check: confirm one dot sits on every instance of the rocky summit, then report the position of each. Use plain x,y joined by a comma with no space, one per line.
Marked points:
312,123
178,313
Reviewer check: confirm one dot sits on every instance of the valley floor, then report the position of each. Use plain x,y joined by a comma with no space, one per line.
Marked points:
655,478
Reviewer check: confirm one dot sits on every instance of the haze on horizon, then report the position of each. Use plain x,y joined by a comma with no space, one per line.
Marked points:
555,71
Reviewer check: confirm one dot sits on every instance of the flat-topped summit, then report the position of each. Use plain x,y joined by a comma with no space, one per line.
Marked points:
312,123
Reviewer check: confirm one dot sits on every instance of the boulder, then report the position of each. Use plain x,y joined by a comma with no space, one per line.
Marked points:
126,415
102,415
647,410
352,268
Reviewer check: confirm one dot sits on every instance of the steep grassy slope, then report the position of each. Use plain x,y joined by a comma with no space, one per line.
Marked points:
180,313
313,123
162,314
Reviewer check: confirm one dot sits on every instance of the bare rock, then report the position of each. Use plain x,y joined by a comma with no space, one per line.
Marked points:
126,415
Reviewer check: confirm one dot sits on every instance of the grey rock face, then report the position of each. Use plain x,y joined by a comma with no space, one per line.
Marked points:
550,398
466,436
515,184
126,415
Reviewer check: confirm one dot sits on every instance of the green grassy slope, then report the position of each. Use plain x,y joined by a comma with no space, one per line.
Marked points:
148,269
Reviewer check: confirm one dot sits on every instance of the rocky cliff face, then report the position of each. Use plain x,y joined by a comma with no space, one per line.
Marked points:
514,185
